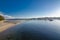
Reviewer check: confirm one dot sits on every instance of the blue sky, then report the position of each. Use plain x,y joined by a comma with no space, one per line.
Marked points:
30,8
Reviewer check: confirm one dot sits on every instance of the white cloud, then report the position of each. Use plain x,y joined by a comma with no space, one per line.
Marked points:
6,16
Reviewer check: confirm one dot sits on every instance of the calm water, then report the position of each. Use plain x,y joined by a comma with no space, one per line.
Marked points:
38,30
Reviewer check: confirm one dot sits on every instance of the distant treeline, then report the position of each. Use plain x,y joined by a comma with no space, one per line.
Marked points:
1,18
42,18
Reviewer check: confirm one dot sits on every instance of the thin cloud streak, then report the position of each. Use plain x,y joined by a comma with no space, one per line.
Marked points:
6,16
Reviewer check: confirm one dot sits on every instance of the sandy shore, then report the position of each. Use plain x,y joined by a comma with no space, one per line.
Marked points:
4,26
3,29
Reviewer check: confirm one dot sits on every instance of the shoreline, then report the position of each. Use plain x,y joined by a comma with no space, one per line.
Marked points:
5,30
4,26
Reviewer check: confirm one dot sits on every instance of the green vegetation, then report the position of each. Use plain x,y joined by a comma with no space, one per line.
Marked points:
1,18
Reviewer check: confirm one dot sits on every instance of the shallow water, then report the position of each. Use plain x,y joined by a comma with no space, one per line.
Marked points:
38,30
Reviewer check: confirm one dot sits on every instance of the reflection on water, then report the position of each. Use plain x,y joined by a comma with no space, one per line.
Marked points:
38,30
35,30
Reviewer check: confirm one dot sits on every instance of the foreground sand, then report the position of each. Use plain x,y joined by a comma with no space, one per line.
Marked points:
5,31
5,25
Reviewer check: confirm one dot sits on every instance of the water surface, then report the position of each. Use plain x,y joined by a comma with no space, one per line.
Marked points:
38,30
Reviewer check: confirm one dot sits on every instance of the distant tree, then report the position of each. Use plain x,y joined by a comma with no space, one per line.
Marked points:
1,18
